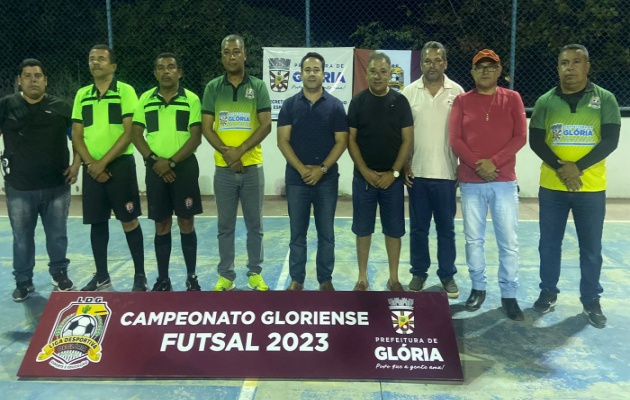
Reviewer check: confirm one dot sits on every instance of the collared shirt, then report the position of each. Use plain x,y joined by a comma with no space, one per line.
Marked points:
571,134
167,124
490,127
432,155
235,111
313,128
102,118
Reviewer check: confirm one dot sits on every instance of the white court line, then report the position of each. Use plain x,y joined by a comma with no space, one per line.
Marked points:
248,391
284,273
623,221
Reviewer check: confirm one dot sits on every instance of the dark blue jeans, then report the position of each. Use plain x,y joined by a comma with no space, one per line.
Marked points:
25,207
589,209
323,197
432,199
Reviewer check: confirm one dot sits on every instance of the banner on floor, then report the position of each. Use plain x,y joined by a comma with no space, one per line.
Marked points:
281,73
280,335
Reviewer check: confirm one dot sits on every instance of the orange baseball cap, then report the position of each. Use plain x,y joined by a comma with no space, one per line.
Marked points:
486,53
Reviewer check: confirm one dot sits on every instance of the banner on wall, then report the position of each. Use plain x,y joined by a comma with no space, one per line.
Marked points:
281,73
279,335
405,68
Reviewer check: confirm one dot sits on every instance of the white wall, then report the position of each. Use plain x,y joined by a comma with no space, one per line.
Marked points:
527,168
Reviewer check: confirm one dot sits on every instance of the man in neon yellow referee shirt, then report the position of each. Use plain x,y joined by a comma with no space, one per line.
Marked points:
574,127
101,134
171,116
236,117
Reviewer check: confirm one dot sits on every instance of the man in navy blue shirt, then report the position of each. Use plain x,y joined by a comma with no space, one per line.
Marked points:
312,135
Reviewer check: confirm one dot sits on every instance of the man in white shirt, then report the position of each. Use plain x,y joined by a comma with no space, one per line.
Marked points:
430,174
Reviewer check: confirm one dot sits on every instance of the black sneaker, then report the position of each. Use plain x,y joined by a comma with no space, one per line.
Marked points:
162,285
546,301
450,287
139,283
22,290
593,311
192,285
61,280
97,283
513,311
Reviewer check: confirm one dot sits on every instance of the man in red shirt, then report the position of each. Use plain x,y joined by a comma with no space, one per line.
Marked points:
487,127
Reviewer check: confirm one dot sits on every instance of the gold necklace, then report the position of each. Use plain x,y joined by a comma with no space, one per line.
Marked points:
489,108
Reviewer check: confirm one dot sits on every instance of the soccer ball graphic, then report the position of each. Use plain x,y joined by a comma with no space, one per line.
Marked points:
80,325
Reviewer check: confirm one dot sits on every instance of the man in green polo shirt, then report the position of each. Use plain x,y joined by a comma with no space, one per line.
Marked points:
171,116
574,127
236,117
101,134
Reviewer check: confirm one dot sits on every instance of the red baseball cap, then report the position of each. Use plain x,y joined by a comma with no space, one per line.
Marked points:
486,53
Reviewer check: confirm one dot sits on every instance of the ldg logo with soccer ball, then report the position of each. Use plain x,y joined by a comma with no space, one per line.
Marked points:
76,337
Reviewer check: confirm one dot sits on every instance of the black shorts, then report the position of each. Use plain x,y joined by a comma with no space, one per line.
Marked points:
119,193
182,196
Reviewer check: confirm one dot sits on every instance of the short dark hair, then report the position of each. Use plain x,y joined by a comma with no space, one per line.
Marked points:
378,55
312,54
112,55
574,46
169,55
233,38
434,45
31,62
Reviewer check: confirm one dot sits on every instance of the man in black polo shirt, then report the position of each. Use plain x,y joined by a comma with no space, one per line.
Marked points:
312,135
172,118
35,162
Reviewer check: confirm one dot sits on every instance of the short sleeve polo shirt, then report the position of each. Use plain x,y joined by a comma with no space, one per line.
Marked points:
313,129
235,111
102,118
573,135
167,124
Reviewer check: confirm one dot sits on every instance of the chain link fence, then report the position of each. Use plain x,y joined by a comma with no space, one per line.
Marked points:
60,34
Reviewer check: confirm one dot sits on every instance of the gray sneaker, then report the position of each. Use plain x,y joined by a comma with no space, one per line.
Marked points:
450,287
417,283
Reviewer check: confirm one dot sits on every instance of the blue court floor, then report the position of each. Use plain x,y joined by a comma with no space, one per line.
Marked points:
553,356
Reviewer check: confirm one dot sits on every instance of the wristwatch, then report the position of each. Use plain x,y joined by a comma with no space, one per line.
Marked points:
324,168
396,174
171,163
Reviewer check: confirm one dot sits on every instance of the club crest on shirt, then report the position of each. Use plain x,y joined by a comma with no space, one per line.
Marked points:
249,93
556,132
595,103
223,118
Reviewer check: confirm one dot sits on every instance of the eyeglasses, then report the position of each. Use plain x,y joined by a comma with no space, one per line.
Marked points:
486,68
